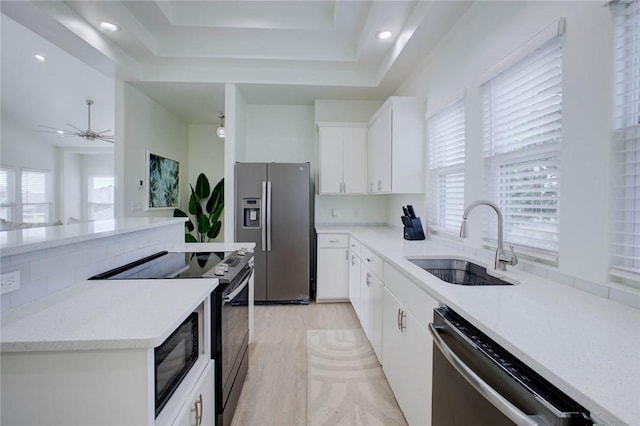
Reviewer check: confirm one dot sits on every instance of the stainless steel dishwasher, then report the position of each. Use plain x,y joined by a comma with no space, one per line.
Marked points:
477,382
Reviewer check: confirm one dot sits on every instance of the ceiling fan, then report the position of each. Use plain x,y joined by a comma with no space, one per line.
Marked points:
89,135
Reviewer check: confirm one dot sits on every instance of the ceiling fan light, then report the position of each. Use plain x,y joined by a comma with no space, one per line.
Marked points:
39,57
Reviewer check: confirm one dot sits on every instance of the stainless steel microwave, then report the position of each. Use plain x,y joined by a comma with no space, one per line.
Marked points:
174,358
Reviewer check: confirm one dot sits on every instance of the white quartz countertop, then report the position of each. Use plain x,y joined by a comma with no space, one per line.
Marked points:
25,240
587,346
98,315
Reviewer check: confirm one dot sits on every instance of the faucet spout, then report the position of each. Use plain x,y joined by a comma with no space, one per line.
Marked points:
501,259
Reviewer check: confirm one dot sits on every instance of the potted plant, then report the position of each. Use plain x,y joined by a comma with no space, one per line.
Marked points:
206,207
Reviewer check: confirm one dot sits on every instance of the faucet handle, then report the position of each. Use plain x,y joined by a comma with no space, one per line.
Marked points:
514,257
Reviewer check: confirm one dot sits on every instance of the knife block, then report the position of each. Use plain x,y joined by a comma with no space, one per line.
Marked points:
414,232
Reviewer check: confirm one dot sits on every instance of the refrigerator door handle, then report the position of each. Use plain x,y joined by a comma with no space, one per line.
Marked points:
268,215
263,216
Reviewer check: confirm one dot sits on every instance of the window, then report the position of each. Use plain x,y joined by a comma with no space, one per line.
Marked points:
100,198
522,132
626,140
7,193
446,134
36,196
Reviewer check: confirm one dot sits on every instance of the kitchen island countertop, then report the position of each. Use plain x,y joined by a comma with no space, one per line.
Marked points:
98,315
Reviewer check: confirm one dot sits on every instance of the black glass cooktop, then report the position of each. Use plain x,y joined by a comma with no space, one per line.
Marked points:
166,265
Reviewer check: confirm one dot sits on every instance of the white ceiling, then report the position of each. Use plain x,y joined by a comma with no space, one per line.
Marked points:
181,53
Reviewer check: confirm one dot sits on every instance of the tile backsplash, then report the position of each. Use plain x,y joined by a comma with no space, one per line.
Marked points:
43,272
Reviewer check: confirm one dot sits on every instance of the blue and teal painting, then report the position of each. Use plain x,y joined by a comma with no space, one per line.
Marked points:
163,182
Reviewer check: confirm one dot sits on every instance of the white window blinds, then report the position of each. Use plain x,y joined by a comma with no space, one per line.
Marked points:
446,130
522,121
7,193
36,196
626,139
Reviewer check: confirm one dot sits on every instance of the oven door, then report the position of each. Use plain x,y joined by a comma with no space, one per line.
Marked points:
234,330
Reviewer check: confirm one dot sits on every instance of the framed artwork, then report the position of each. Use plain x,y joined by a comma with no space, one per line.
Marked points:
163,182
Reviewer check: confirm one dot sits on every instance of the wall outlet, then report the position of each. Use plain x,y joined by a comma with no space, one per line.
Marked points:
9,282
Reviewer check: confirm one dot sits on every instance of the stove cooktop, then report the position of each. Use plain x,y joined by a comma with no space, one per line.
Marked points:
169,265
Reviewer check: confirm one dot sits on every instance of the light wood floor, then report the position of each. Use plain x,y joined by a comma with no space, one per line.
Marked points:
275,390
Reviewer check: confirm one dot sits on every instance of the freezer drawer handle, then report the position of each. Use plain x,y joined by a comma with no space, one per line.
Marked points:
507,408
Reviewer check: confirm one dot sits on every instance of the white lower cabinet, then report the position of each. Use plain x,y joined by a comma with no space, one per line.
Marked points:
333,268
371,288
407,348
199,408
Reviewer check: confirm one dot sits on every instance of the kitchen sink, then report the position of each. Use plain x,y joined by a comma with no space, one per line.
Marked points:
458,271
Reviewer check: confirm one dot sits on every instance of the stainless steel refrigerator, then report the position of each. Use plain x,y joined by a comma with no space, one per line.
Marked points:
273,203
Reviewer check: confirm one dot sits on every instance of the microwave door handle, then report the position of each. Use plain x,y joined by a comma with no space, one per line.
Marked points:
229,297
263,216
500,402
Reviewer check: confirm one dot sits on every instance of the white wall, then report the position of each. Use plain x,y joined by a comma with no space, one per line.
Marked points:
143,124
489,32
206,155
72,185
342,209
281,133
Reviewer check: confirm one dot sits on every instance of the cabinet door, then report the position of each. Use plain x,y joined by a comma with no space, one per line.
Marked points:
407,364
330,159
376,290
379,153
354,283
365,296
333,274
354,160
198,410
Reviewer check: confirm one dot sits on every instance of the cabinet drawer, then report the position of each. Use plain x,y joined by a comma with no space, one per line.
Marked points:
354,246
371,261
333,240
417,301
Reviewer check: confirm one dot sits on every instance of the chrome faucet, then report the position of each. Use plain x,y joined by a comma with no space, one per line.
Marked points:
501,258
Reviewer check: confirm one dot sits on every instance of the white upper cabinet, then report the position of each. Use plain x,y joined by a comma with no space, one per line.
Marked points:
342,157
395,155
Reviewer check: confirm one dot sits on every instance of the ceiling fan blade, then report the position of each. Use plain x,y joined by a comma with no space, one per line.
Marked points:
56,131
49,127
103,131
110,139
72,126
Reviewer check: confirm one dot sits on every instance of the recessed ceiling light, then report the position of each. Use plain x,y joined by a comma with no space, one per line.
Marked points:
39,57
108,26
384,35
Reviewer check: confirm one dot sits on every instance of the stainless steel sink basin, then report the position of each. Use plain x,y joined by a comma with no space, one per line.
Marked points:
458,271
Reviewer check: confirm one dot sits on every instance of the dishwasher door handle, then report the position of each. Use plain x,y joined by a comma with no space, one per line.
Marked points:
500,402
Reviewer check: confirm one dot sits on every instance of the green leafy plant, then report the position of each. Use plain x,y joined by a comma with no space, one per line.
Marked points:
206,206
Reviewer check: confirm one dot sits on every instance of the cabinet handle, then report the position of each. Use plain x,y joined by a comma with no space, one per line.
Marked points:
368,260
398,319
403,317
344,186
379,185
346,255
353,261
198,411
368,279
370,186
334,241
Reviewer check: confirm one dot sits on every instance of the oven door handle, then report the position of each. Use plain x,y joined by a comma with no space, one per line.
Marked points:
229,297
500,402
